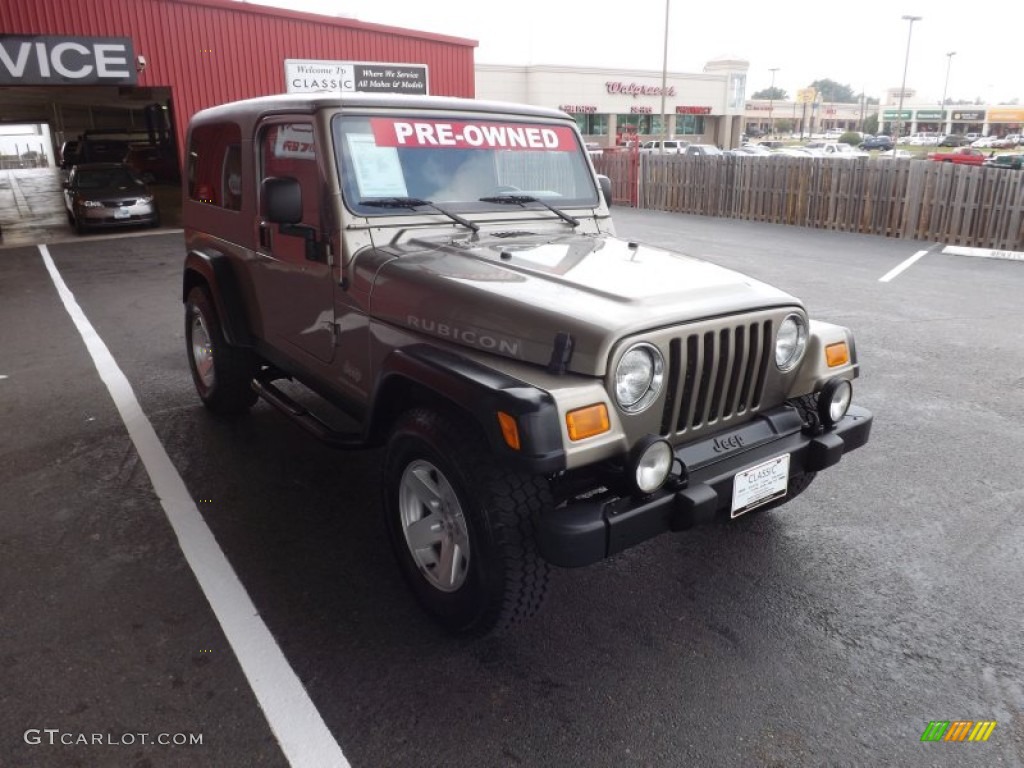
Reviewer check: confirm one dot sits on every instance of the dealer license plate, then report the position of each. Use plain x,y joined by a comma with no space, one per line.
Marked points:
122,213
759,485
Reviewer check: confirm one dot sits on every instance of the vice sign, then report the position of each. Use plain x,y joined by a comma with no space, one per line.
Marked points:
66,61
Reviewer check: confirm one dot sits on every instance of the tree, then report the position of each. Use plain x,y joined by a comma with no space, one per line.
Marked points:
834,92
870,124
778,94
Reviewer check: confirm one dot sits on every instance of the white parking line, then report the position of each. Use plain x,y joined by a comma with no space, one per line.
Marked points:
895,271
295,721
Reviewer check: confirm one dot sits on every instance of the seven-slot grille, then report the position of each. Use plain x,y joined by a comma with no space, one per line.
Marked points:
717,374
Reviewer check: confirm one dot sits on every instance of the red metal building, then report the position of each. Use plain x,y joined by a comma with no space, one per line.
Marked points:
198,53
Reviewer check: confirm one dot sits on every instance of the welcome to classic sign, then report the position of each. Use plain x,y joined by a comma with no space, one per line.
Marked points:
313,76
39,60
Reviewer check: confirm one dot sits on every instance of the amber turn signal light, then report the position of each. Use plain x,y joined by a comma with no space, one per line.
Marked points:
837,354
509,430
587,422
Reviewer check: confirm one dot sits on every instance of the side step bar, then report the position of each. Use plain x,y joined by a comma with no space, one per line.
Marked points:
303,417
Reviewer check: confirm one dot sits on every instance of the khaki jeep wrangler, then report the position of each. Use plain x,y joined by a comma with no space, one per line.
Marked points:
445,273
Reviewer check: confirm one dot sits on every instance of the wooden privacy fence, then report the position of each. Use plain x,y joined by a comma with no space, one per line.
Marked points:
916,199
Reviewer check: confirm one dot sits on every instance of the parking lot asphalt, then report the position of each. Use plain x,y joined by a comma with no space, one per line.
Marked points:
828,632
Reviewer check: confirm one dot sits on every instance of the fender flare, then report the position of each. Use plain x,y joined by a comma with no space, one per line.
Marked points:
481,392
215,270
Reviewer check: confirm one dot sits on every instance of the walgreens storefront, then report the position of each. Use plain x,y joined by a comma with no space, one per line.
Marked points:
613,107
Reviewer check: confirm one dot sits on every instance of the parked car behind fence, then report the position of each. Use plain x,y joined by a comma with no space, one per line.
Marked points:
669,146
1013,161
877,142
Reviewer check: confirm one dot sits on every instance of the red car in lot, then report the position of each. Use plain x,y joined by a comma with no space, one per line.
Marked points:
962,155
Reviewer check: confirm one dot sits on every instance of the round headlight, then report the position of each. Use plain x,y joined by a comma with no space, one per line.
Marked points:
638,377
790,342
652,463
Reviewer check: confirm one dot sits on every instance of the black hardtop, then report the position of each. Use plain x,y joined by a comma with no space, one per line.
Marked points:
290,103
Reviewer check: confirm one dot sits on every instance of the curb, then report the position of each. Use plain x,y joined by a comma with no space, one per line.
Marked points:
984,253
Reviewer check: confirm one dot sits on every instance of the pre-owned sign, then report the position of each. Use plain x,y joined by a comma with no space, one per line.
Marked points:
37,60
311,76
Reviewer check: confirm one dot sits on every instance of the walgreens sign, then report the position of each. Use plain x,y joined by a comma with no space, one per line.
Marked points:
637,89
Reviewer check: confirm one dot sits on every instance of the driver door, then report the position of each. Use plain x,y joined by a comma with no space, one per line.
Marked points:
294,285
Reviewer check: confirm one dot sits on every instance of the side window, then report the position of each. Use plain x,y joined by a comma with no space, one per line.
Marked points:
288,150
215,165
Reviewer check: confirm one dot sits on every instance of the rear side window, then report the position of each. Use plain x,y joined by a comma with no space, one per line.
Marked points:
215,165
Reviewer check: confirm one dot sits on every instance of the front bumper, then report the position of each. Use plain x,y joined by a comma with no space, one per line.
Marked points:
128,216
583,532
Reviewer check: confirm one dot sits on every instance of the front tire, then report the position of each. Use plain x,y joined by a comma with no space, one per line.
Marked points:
222,373
461,525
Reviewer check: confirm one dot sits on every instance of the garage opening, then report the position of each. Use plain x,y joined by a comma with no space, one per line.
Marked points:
26,146
47,130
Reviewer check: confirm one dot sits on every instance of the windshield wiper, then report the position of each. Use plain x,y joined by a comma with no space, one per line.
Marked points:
523,199
415,202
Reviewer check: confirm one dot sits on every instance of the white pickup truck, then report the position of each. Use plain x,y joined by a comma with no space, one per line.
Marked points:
836,149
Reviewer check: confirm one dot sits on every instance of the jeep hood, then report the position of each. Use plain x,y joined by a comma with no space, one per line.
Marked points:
512,295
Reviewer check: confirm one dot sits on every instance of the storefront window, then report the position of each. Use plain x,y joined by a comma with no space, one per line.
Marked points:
650,125
690,125
592,125
737,91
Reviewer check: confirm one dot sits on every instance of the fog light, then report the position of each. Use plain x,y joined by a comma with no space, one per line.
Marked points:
834,401
651,462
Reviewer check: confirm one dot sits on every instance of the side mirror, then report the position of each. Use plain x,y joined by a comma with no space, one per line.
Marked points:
283,200
606,188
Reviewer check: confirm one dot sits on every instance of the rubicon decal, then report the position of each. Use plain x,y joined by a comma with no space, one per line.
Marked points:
958,730
466,135
467,335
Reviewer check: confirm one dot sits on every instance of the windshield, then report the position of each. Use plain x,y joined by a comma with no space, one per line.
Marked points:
105,178
458,162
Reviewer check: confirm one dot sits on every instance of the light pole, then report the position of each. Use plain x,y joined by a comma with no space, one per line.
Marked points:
664,81
949,61
771,103
903,87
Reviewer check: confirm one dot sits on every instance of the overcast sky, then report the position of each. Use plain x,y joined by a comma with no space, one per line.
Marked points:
861,43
